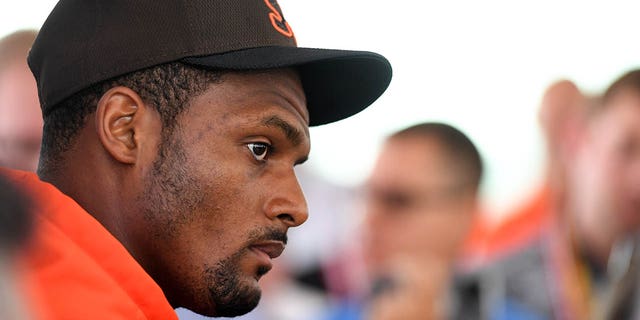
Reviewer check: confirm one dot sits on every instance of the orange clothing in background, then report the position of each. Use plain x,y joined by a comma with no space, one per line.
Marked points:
75,269
487,242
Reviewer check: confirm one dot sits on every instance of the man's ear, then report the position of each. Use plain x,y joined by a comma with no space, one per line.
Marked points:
122,122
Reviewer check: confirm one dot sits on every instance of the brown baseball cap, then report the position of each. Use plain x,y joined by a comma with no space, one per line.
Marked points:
84,42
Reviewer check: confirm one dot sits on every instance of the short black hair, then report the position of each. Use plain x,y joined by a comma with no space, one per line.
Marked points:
169,88
459,149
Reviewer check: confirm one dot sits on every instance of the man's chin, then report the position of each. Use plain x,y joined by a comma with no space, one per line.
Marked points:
238,307
235,300
241,306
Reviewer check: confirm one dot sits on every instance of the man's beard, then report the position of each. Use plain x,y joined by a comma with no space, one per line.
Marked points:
173,188
231,296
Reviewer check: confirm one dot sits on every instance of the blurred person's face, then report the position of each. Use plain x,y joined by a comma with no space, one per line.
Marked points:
608,176
20,118
412,209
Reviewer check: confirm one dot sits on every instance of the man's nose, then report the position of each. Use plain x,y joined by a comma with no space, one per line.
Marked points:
287,202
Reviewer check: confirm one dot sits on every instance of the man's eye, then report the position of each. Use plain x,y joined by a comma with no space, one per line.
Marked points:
259,150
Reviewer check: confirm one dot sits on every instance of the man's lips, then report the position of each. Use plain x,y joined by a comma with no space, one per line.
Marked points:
272,248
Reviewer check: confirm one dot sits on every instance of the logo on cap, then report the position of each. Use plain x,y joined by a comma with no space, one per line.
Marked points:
277,19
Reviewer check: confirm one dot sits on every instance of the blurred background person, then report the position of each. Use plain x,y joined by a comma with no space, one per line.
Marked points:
20,115
606,210
420,201
583,265
561,119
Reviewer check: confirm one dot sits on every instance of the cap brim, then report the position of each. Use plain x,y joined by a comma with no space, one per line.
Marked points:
337,83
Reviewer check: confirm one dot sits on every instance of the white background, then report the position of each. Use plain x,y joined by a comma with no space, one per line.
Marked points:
479,65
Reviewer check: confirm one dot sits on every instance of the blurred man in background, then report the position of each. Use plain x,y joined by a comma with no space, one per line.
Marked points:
20,138
561,117
606,210
20,115
583,264
421,198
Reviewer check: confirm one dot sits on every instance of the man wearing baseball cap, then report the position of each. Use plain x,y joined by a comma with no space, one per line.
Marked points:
171,130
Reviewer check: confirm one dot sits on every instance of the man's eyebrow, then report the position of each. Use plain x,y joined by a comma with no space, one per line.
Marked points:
292,133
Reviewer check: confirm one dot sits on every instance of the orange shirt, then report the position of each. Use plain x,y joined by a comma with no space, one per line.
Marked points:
75,269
